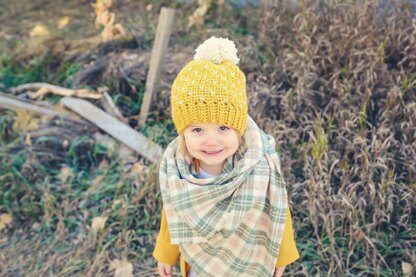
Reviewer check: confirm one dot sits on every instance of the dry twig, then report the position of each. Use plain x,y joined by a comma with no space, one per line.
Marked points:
111,108
43,88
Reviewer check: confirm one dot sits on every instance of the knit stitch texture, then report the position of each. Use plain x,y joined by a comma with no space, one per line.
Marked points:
210,91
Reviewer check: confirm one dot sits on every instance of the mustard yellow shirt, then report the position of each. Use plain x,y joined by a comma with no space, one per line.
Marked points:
168,253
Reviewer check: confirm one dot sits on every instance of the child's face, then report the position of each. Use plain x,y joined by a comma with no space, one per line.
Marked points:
211,143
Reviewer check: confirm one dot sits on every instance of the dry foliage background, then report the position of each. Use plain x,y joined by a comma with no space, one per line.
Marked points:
333,82
341,101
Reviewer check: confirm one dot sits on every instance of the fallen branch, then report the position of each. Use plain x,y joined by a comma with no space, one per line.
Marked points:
44,88
111,108
13,103
115,128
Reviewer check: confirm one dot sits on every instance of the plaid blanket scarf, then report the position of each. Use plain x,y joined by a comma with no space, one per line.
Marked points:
230,225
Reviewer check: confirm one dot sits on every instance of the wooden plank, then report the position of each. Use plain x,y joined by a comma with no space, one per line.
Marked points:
115,128
13,103
163,31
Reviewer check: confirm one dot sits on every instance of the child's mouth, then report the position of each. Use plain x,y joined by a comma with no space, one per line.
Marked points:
212,153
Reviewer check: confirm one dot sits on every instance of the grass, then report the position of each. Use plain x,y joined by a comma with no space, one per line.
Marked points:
55,212
39,69
13,74
339,99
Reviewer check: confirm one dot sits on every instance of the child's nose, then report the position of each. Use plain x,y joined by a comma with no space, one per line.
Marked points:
211,139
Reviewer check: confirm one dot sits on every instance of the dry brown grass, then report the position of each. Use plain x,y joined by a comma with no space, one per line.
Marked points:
341,101
54,189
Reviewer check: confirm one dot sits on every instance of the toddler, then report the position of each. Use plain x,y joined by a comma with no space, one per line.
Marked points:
225,207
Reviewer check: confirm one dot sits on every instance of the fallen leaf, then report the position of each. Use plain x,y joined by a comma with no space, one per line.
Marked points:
26,121
107,3
407,269
103,165
65,173
63,22
122,268
98,223
39,30
137,168
104,18
28,140
6,219
117,202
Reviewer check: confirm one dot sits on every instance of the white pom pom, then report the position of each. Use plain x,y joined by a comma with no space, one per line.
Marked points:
217,50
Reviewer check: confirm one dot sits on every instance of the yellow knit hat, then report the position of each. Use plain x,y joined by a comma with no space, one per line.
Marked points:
211,88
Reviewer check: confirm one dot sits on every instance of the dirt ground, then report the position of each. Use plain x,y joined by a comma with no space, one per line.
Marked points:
21,16
138,17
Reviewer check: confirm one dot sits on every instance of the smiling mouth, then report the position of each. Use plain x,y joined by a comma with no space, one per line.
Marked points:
211,152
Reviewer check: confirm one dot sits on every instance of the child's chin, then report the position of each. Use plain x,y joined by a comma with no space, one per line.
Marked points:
213,161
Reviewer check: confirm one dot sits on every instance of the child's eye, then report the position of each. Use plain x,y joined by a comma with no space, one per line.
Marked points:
197,130
224,128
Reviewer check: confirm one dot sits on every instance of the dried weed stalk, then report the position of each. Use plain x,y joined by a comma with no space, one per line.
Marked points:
341,101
